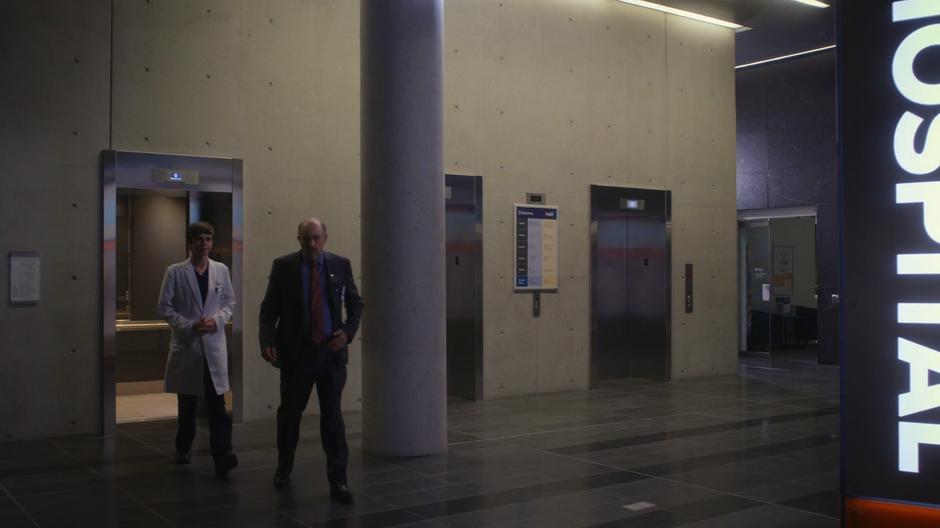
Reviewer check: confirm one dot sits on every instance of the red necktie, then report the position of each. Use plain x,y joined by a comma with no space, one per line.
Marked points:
316,305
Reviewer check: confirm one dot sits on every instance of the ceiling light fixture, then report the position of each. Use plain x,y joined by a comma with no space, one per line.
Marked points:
784,57
813,3
686,14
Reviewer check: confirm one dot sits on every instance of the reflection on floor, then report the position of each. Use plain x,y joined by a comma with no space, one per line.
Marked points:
140,407
757,449
806,354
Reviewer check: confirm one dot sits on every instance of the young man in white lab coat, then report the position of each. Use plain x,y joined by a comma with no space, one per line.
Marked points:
197,299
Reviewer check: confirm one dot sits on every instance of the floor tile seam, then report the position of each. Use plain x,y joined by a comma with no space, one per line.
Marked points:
55,492
141,442
604,500
392,507
123,491
676,512
706,488
499,501
166,455
371,493
784,459
18,505
553,431
690,432
198,497
188,511
140,503
41,470
351,519
738,495
739,455
592,462
388,496
733,398
81,462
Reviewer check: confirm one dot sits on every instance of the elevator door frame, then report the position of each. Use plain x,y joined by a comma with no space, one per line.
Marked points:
619,193
135,170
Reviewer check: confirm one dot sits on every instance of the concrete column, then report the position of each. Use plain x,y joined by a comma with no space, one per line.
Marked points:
404,396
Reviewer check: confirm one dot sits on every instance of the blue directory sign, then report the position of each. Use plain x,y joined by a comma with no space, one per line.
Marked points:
536,247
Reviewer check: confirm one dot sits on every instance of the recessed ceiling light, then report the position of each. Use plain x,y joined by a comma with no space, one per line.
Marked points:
684,13
813,3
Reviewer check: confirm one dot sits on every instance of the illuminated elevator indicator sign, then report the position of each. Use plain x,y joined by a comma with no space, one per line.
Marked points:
627,203
186,176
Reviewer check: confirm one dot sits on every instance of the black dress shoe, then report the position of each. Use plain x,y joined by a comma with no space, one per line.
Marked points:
181,458
341,493
282,476
224,464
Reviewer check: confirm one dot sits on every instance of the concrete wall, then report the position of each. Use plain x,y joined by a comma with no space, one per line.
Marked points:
273,83
553,95
54,58
541,95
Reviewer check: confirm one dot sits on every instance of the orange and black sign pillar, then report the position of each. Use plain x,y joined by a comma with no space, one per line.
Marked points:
889,143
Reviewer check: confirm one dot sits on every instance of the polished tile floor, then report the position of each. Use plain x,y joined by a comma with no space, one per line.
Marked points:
757,449
141,407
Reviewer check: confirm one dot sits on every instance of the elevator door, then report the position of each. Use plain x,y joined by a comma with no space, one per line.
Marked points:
630,284
464,257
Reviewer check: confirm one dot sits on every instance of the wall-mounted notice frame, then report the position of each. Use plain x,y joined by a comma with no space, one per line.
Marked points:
536,247
24,277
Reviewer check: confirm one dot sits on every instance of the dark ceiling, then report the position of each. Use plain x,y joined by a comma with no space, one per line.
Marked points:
778,27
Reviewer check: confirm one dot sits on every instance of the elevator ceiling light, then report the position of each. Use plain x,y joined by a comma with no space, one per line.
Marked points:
813,3
686,14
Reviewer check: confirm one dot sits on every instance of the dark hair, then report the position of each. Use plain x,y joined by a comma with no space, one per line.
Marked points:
199,228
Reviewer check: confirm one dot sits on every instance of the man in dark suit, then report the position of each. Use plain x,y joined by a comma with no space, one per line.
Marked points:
302,331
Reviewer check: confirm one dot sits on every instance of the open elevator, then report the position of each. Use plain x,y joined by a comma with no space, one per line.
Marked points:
148,200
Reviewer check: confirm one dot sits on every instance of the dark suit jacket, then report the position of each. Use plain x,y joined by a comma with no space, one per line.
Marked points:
282,323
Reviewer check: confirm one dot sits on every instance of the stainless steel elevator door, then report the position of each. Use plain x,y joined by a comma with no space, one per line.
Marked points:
647,297
630,284
464,265
609,298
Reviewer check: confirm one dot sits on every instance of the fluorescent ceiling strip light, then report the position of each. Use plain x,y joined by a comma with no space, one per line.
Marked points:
683,13
784,57
813,3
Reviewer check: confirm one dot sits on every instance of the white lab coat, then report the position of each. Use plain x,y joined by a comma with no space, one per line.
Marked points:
181,305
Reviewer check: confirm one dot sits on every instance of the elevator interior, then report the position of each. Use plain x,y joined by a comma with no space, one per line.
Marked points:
630,283
463,206
778,286
149,200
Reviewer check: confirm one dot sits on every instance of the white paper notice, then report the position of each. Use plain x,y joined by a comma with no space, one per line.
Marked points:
24,277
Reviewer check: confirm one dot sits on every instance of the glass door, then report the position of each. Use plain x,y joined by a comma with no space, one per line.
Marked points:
757,298
793,281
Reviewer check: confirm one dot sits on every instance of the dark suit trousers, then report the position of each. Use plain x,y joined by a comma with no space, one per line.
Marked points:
220,426
314,366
